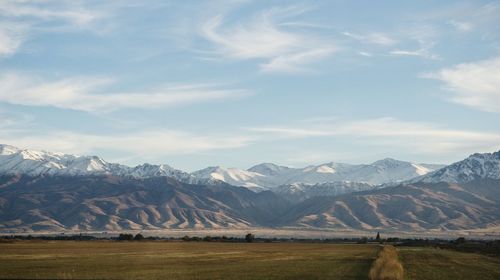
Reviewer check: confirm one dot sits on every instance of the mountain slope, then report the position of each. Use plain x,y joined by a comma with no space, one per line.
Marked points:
476,166
268,175
297,192
117,203
260,177
109,202
418,206
36,163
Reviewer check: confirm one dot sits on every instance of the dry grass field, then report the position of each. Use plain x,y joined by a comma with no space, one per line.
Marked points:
183,260
430,264
214,260
387,265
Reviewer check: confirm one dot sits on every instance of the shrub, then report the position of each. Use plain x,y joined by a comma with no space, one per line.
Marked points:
138,237
125,236
249,237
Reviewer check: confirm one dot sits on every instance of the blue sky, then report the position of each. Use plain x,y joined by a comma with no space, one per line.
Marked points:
235,83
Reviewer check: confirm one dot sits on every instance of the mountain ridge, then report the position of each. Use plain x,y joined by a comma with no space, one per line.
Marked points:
259,177
109,202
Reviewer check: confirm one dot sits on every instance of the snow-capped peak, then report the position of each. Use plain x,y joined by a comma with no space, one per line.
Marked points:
35,163
258,177
268,169
476,166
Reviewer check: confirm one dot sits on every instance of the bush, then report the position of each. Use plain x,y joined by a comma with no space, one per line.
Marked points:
138,237
207,238
249,238
125,236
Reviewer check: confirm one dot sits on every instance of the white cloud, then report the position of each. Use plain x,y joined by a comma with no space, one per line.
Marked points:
70,12
390,133
377,38
87,94
367,54
294,62
262,37
23,19
424,51
143,145
461,26
475,84
11,37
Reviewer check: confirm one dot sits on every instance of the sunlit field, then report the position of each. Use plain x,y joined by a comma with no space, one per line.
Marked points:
430,263
184,260
221,260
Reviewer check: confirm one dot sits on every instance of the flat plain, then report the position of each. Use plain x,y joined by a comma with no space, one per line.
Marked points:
183,260
221,260
431,263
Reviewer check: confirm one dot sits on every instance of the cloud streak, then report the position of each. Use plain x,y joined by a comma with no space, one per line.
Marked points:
139,145
20,20
87,94
475,84
264,37
377,38
389,133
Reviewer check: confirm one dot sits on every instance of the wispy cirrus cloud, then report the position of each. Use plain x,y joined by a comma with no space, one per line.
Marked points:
475,84
89,94
420,41
413,137
461,26
377,38
137,146
264,36
20,20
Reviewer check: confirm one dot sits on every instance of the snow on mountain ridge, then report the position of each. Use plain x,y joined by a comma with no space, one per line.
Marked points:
259,177
268,176
297,192
476,166
35,163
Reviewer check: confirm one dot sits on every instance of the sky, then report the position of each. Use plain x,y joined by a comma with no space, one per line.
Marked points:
236,83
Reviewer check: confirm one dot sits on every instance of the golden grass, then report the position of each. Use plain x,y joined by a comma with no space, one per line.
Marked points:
387,265
436,264
184,260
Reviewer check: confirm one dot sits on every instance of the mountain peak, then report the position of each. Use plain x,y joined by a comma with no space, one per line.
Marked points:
267,168
389,162
476,166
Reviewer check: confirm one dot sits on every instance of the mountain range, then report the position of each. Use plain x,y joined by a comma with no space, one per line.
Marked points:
259,177
55,192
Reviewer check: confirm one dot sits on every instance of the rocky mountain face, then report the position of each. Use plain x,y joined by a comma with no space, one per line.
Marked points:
260,177
117,203
50,191
36,163
298,192
268,175
475,167
418,206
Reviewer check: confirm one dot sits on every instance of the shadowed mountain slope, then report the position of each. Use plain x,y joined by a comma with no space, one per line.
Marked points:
417,206
116,203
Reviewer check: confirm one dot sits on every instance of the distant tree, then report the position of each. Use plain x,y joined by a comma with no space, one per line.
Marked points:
207,238
125,236
249,237
138,237
378,237
363,240
460,240
186,238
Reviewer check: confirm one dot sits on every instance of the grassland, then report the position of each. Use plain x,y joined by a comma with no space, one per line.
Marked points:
387,265
184,260
430,263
